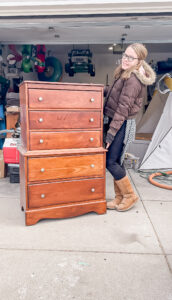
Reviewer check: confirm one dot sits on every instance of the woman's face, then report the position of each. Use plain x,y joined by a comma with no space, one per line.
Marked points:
129,59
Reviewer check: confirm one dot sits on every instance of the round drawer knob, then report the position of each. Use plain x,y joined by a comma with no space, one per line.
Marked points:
41,120
91,139
40,98
91,120
92,99
42,196
93,190
41,141
92,165
42,170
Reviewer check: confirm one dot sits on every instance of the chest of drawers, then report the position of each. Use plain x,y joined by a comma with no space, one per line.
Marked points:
62,161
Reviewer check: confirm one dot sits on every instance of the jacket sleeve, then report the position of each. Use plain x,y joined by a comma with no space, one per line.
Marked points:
128,96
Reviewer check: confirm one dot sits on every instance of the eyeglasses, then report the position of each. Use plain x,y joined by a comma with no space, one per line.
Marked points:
129,58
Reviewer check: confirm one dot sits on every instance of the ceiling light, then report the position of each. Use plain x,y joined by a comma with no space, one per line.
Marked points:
110,48
127,26
51,29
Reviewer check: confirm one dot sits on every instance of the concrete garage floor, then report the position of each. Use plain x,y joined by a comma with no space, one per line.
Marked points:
114,256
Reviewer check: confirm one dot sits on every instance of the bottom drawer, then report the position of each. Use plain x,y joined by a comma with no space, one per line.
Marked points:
46,194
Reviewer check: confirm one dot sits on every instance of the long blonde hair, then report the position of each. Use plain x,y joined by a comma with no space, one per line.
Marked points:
141,52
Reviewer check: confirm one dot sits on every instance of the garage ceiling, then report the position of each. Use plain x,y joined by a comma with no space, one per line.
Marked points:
96,30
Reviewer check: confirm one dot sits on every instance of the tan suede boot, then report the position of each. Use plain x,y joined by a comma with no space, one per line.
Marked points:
129,197
118,197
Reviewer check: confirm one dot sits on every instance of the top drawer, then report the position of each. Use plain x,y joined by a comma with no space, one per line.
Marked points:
68,99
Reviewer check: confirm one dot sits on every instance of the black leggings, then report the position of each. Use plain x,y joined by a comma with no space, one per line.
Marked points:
114,154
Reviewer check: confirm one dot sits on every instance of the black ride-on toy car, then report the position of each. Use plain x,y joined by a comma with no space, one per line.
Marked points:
80,62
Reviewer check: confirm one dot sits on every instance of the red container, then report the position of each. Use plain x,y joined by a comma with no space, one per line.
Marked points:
10,151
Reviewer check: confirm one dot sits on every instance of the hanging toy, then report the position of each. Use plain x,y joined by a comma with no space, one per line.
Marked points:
40,58
26,62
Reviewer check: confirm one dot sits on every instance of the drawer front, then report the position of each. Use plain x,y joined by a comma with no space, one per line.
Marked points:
40,195
64,120
64,99
64,140
74,166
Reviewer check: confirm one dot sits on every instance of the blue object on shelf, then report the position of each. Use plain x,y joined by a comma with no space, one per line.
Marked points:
2,126
164,66
1,112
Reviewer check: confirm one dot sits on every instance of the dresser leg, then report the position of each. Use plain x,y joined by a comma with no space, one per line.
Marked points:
101,210
31,219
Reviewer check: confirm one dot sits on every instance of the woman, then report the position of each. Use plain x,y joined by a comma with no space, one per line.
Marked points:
123,101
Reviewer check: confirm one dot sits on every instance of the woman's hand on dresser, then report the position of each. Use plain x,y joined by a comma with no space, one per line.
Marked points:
107,145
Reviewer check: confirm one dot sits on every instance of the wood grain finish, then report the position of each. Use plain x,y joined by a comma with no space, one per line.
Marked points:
42,140
65,167
65,211
64,99
64,120
62,158
41,195
11,120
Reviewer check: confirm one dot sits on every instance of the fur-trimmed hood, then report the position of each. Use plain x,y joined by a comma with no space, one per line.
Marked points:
146,75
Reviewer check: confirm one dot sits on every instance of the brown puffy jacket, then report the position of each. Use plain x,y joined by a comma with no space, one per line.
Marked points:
124,98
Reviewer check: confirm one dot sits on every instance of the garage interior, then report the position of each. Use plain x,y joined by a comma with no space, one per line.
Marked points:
106,37
98,33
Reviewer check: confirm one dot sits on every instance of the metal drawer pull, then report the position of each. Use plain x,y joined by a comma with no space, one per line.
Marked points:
91,139
92,165
93,190
41,141
91,120
92,99
42,170
40,98
42,196
41,120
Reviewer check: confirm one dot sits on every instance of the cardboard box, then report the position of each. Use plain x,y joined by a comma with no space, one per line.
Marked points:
2,165
11,120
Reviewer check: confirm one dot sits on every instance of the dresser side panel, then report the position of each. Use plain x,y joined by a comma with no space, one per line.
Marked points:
23,182
24,116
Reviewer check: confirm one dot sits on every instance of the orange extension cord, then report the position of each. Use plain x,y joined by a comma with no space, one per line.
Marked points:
161,185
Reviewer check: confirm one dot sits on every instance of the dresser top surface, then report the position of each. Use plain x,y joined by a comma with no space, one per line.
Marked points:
61,85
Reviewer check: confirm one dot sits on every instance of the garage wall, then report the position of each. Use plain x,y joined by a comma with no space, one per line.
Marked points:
105,63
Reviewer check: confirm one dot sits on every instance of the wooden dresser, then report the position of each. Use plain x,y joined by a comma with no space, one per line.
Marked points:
62,159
